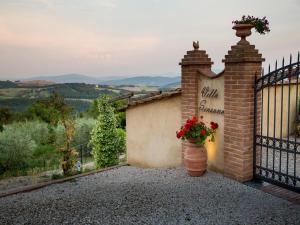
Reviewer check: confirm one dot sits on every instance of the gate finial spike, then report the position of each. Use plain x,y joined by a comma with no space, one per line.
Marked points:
298,56
276,65
283,62
290,58
269,68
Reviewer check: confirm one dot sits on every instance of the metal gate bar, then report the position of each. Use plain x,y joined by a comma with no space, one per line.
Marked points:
276,151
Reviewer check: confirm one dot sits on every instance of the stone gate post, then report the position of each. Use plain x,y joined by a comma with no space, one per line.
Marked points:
242,63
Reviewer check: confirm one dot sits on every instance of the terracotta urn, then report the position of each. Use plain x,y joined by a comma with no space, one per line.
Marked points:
243,31
195,159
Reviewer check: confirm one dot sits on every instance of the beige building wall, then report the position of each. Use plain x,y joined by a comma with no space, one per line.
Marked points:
285,110
151,133
215,150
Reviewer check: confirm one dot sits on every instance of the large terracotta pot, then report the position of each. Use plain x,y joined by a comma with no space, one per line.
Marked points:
195,159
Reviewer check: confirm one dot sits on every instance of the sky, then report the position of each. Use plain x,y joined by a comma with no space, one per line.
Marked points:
132,37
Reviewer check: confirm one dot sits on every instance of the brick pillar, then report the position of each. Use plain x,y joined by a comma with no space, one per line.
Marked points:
242,64
190,65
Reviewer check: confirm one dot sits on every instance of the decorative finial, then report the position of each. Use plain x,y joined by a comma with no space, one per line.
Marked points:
196,45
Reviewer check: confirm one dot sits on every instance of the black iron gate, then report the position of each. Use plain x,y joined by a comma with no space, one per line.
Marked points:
276,131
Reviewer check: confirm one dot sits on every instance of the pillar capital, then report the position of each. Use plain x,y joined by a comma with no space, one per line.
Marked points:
243,51
196,57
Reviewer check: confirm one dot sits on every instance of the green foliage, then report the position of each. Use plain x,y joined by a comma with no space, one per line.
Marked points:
50,110
5,117
34,144
83,128
195,130
20,105
44,156
57,176
7,84
38,131
68,153
93,112
120,116
122,140
44,151
121,119
104,136
261,25
15,148
77,95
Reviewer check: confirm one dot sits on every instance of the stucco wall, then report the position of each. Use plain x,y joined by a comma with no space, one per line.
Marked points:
151,133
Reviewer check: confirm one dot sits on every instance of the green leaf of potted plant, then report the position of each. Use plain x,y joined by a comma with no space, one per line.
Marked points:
195,132
243,27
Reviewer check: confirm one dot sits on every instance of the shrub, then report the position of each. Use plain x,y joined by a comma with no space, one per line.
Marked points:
122,140
104,136
121,119
83,129
5,117
68,153
38,131
45,156
60,138
15,148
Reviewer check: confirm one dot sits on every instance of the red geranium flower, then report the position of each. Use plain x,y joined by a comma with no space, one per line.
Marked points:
180,134
214,125
196,131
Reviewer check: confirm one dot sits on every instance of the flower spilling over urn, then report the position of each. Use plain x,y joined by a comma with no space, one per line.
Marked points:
243,27
195,132
261,25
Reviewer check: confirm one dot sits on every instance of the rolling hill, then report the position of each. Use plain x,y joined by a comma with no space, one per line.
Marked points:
67,78
159,80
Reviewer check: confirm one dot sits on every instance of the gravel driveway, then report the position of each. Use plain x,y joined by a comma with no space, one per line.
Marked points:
130,195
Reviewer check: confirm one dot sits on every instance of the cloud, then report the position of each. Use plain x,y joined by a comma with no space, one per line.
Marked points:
73,41
106,3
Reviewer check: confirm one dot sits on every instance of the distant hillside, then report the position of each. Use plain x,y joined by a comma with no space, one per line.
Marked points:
67,78
77,95
144,81
7,84
70,90
37,83
159,81
171,86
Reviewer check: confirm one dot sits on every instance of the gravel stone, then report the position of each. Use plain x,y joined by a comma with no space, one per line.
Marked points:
129,195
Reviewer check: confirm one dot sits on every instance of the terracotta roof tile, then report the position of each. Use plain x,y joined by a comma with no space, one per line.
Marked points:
148,99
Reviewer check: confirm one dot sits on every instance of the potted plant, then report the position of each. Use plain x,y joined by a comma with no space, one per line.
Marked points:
243,27
195,132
